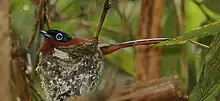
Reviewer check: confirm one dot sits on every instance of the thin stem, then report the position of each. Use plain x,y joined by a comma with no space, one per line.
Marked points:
36,92
47,14
198,44
38,21
43,6
107,6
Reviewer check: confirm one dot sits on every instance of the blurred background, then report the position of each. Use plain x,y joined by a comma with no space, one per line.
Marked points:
126,20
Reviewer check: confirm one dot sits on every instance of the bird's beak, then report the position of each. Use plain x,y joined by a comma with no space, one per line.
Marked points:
45,34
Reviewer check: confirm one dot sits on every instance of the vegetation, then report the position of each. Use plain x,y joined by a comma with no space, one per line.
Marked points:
186,66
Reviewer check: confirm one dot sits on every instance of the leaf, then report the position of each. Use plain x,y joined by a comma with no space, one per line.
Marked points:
194,17
212,4
169,20
206,30
210,79
22,17
213,15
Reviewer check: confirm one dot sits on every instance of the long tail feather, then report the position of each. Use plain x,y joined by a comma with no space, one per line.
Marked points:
106,48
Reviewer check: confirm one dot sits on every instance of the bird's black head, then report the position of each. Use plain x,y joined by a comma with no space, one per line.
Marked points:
56,35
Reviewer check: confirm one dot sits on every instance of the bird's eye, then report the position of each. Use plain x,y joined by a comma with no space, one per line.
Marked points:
59,36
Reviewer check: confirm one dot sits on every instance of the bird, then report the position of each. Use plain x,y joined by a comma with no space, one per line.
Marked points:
71,66
68,66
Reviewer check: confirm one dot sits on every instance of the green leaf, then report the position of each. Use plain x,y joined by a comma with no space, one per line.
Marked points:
206,30
210,78
194,17
212,4
169,19
22,17
213,15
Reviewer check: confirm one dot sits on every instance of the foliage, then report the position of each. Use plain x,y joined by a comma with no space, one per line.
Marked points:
79,18
209,79
206,30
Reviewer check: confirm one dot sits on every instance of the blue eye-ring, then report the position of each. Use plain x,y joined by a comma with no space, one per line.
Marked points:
59,36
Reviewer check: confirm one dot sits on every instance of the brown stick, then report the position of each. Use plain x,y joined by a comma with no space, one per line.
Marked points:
47,14
104,13
198,44
166,88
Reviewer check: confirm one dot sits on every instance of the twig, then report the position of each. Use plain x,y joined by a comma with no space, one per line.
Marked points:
198,44
37,23
47,14
43,6
107,6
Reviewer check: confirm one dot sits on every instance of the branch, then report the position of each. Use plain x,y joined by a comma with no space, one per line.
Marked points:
37,23
43,6
166,88
107,6
198,44
47,14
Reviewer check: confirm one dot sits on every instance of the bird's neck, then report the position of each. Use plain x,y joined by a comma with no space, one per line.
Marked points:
47,45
